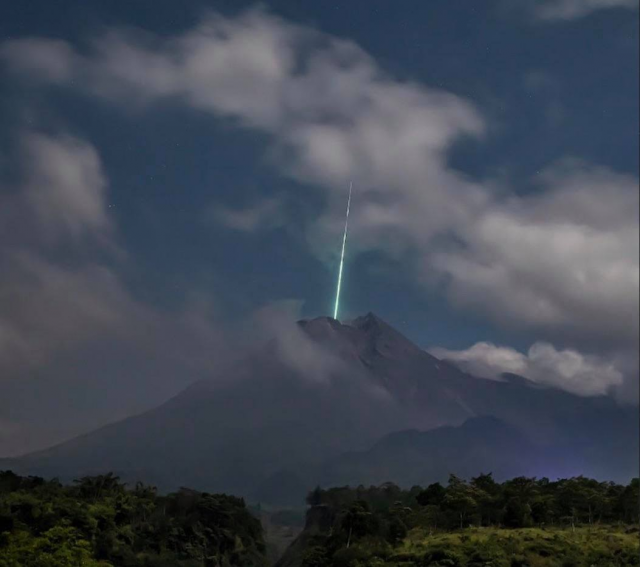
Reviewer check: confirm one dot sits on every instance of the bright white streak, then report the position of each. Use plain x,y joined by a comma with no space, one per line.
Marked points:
344,243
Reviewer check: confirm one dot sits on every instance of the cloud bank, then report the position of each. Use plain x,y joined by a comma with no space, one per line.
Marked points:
543,364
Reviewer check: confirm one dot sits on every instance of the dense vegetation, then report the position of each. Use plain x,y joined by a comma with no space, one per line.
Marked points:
99,522
598,546
520,522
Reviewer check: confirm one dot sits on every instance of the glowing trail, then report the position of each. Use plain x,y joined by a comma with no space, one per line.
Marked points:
344,243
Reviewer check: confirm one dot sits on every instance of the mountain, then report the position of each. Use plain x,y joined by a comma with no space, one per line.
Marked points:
481,444
415,457
332,402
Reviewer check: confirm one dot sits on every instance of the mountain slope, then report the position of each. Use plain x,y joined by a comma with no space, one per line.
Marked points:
420,457
287,414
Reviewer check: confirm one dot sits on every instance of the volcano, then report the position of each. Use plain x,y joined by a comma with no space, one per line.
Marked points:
354,402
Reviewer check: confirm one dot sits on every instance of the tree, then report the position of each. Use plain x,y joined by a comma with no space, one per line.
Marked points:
628,504
57,547
314,498
357,521
460,498
433,495
99,522
488,494
96,486
582,499
397,520
519,493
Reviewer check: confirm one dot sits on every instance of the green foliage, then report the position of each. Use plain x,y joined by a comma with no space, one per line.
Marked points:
602,546
441,557
99,522
523,522
57,547
516,503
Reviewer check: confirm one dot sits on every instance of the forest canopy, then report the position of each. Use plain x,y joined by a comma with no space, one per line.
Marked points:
99,521
520,522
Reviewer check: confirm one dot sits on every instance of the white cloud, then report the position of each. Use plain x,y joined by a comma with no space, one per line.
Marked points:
264,214
276,324
564,259
565,369
65,185
60,198
48,309
552,10
333,113
41,59
51,308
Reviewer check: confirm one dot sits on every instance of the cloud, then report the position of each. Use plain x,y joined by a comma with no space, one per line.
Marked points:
276,325
78,348
62,288
233,67
561,260
561,10
58,204
309,352
565,369
64,305
65,185
265,214
61,196
48,308
42,59
333,114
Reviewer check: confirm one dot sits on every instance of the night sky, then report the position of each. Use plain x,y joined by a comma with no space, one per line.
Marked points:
168,170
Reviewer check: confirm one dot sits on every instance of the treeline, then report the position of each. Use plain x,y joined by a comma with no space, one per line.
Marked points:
369,526
99,521
520,502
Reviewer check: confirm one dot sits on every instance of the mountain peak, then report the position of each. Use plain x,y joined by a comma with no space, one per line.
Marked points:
379,331
321,324
361,336
369,325
368,320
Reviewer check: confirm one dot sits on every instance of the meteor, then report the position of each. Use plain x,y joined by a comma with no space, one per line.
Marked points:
344,243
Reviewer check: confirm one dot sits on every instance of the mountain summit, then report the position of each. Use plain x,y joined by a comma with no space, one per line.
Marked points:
365,337
332,402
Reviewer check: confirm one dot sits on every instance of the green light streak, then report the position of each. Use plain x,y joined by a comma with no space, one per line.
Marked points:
344,243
